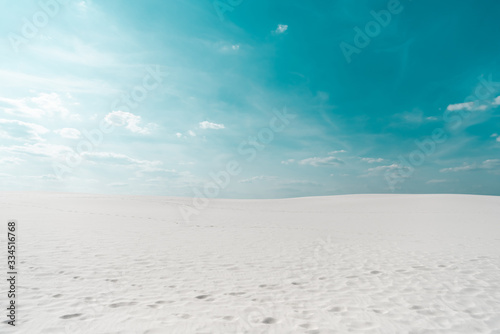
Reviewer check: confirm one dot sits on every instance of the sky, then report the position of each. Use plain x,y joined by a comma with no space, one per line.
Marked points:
250,99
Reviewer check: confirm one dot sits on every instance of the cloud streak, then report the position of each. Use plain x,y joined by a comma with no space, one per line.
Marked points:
210,125
130,121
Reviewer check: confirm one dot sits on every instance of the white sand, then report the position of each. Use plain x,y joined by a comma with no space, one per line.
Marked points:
342,264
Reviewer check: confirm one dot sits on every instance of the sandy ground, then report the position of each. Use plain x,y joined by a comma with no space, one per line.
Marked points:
341,264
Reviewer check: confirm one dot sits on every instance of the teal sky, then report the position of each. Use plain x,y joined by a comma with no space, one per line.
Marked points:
381,97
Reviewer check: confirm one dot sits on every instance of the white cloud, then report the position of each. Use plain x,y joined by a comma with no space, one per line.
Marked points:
69,133
335,152
414,116
178,135
43,105
258,178
287,162
491,164
474,105
141,166
321,161
487,164
372,160
379,169
227,48
10,161
39,150
300,183
117,184
317,161
19,130
191,133
465,167
281,28
210,125
116,158
82,5
129,120
460,106
46,177
51,103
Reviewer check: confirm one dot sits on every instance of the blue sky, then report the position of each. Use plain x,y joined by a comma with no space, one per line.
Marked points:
153,97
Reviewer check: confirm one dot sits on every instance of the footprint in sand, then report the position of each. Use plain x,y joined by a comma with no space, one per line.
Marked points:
202,296
69,316
269,320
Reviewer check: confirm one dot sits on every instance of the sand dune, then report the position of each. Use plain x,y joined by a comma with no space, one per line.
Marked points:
341,264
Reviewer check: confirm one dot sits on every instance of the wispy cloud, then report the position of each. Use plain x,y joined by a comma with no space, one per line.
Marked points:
210,125
69,133
118,158
42,105
287,162
10,161
412,118
117,184
460,106
381,169
258,178
478,105
487,164
335,152
372,160
130,121
23,131
300,183
317,161
141,166
281,28
229,48
45,150
324,161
